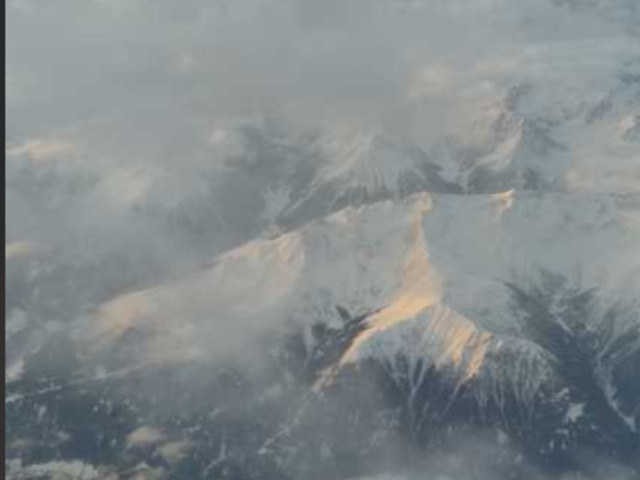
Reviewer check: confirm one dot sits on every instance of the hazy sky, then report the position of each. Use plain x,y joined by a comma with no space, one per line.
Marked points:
169,66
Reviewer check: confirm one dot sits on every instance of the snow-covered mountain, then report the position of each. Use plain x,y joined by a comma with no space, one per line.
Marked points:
389,260
444,284
432,268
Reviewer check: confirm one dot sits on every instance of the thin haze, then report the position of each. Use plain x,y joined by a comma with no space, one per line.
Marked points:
109,85
114,101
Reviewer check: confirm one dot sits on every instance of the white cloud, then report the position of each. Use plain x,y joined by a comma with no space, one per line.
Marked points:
42,149
77,61
145,436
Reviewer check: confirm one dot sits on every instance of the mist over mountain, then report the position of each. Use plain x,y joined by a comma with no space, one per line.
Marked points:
300,240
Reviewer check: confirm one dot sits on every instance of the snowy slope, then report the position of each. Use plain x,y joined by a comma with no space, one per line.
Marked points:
438,262
553,121
356,168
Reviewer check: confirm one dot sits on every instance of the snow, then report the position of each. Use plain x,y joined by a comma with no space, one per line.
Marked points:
611,395
14,370
365,162
431,265
60,470
578,105
574,412
429,268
